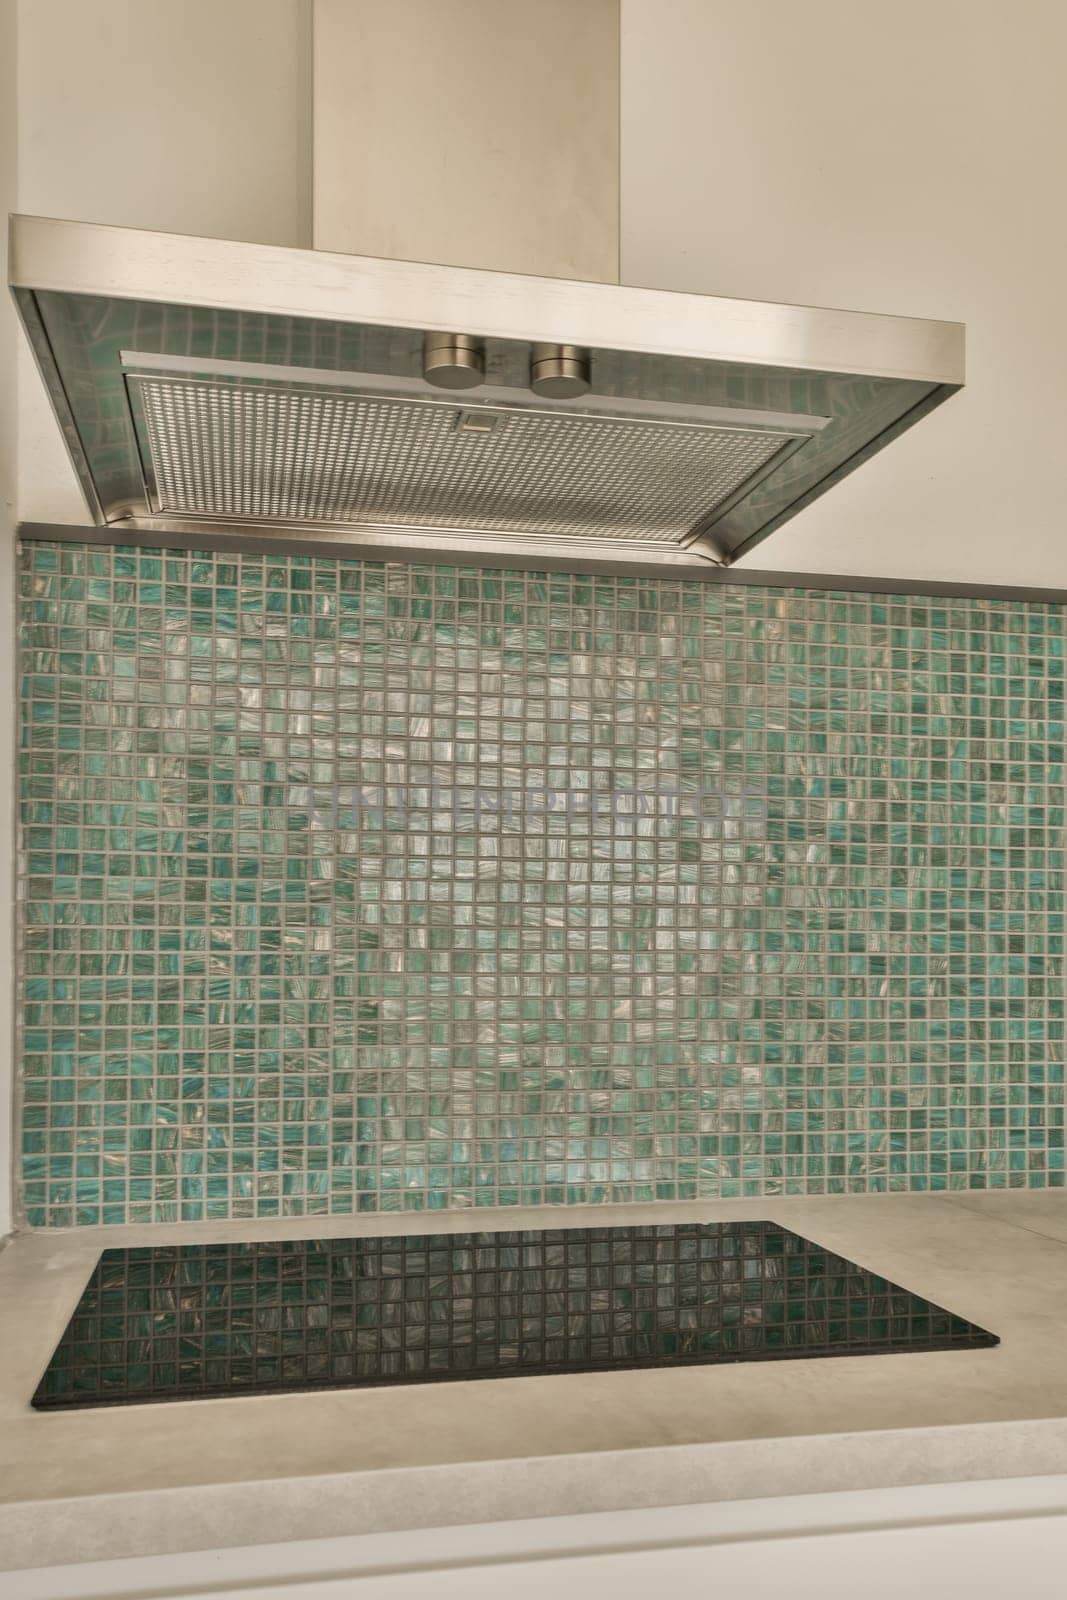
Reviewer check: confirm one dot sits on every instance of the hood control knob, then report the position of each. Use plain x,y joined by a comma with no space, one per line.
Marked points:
559,371
453,360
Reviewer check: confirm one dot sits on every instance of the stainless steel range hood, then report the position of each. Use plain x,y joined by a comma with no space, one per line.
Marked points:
210,387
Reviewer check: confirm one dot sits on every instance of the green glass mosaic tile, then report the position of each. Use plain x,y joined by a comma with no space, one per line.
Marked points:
354,887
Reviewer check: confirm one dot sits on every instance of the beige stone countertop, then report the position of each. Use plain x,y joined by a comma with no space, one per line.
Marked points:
110,1482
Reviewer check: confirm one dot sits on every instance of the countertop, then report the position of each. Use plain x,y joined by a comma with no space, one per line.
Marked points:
113,1482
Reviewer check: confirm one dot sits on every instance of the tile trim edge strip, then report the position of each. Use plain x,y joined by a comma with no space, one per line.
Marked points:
272,544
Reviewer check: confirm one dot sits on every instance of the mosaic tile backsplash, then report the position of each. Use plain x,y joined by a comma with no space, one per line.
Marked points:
353,887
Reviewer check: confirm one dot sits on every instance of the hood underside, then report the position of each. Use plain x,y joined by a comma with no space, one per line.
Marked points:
214,388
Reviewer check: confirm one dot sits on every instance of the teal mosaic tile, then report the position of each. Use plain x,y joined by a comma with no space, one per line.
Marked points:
354,887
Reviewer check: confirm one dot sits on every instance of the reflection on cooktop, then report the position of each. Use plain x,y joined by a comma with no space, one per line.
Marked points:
177,1322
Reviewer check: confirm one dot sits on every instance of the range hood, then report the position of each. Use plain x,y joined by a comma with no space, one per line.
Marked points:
230,390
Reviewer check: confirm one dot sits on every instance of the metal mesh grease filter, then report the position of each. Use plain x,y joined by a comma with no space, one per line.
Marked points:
271,453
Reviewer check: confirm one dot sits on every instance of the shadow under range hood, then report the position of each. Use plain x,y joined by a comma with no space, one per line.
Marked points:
212,388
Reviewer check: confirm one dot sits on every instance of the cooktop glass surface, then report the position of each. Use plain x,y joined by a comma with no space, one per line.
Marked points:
182,1322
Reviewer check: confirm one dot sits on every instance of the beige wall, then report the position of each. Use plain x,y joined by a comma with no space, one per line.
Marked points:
906,158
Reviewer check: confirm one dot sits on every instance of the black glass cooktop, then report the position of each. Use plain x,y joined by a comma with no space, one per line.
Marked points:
182,1322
